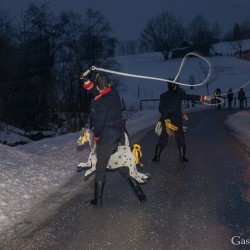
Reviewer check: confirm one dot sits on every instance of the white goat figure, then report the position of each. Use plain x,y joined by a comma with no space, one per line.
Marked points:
123,157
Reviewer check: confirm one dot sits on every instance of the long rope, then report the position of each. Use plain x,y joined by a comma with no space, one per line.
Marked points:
162,79
214,104
176,77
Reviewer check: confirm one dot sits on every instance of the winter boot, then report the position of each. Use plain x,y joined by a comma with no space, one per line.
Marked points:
182,151
97,201
158,150
137,189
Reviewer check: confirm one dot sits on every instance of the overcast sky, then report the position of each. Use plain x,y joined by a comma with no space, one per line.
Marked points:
128,17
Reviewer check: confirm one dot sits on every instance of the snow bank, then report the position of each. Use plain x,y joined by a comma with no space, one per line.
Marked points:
240,124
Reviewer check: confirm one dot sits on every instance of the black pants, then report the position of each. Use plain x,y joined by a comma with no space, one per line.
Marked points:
179,136
241,104
103,154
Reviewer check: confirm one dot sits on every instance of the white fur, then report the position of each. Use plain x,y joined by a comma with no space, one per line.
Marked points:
123,157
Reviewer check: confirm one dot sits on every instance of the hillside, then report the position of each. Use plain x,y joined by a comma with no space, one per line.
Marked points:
227,71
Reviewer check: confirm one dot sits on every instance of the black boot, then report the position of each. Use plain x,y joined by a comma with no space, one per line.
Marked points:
97,201
182,151
137,189
158,150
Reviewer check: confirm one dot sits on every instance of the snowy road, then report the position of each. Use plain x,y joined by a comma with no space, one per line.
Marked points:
196,205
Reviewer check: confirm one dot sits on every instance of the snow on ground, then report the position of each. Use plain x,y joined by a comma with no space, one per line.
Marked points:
227,48
228,72
240,124
30,172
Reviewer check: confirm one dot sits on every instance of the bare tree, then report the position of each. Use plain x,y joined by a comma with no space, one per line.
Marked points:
245,29
6,36
200,35
164,33
216,32
35,45
213,76
7,63
237,38
85,42
49,53
70,62
128,47
97,41
40,34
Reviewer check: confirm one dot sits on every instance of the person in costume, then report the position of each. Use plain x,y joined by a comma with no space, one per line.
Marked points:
108,128
170,107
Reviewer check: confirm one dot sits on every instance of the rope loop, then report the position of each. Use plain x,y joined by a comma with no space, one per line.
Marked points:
176,77
162,79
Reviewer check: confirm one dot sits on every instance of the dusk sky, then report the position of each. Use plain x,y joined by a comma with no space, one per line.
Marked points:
128,17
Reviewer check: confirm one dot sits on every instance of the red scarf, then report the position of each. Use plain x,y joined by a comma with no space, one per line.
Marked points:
103,92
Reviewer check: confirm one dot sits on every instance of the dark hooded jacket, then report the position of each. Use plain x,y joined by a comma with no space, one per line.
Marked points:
106,114
170,105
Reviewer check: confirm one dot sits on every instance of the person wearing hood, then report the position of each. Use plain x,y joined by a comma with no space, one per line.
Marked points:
170,107
108,128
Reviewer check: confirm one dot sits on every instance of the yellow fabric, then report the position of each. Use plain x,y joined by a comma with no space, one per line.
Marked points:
84,139
137,153
170,125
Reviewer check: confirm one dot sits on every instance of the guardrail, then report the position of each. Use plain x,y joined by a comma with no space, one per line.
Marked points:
154,104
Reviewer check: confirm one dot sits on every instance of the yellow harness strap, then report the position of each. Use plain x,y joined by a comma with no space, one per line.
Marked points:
137,153
170,125
84,139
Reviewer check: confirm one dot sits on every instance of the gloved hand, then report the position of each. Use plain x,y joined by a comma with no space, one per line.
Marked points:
184,116
206,98
96,138
85,75
209,98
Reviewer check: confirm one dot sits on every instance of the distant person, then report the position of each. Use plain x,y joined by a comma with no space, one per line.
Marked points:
217,93
241,97
230,97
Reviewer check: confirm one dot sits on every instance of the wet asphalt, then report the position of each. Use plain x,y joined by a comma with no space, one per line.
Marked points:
194,205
